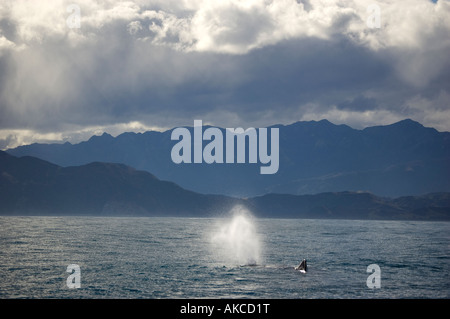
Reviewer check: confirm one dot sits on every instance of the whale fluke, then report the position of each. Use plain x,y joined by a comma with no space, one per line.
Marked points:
302,267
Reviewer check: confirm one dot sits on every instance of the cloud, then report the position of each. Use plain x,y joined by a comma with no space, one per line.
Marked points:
234,26
228,62
73,134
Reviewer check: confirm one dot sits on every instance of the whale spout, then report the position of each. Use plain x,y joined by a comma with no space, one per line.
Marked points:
302,267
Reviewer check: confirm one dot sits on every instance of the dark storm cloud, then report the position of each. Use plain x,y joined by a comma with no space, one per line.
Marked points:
359,103
163,64
183,86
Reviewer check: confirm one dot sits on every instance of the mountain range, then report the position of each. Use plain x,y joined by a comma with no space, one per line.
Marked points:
31,186
401,159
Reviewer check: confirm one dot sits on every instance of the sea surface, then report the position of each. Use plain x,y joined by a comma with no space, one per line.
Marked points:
228,257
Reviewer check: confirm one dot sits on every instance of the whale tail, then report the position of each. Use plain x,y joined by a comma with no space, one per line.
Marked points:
302,267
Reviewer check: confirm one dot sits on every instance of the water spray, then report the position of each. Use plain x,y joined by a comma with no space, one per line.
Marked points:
237,240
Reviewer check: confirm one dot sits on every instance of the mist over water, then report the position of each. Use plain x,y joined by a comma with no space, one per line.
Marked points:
235,240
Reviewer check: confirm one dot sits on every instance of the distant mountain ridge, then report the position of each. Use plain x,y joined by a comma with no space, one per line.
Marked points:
401,159
31,186
352,205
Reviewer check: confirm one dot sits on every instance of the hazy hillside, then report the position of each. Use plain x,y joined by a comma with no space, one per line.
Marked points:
30,186
404,158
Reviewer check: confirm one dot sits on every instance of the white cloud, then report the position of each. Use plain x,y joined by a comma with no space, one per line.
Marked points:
134,27
6,45
354,119
73,134
235,26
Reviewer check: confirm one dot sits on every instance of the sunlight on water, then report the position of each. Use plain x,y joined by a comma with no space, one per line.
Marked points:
202,257
236,240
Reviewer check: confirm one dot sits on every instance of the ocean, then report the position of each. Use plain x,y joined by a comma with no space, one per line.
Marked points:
236,256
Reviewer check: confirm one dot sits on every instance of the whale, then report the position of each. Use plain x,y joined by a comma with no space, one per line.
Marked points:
302,267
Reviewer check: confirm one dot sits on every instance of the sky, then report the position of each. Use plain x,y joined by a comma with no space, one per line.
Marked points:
72,69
